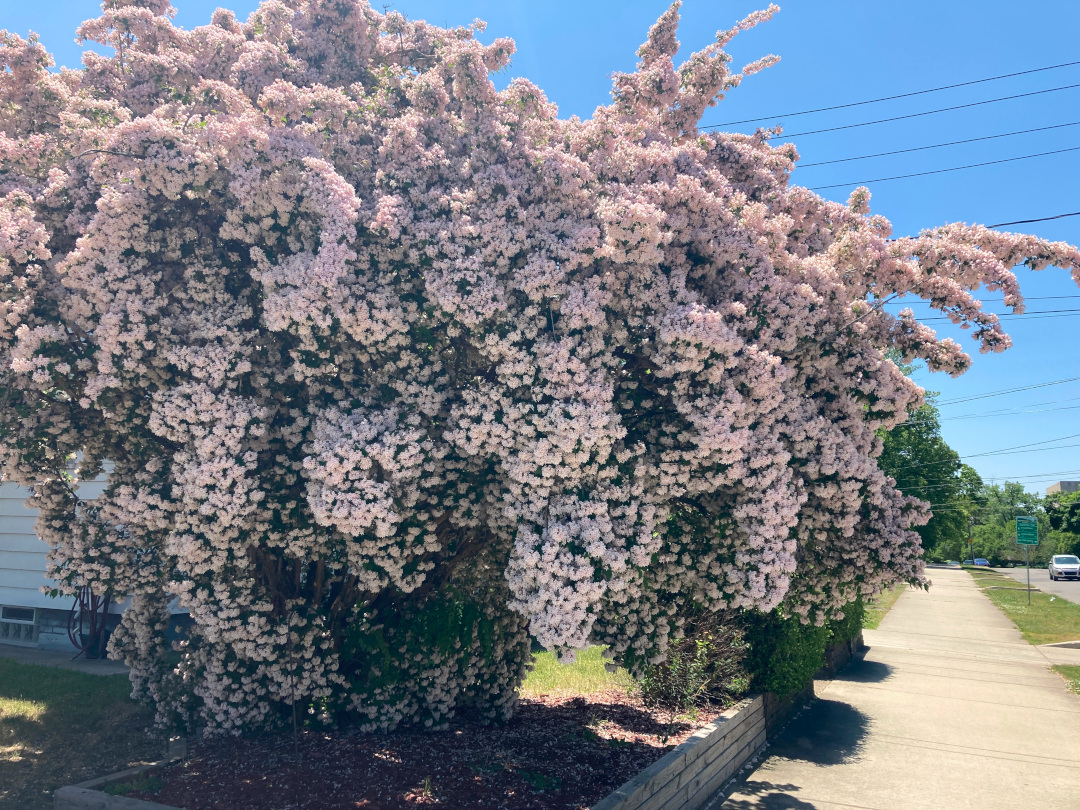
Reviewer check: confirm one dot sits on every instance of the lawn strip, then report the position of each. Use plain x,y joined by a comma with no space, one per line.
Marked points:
586,676
881,605
1071,674
1047,620
58,727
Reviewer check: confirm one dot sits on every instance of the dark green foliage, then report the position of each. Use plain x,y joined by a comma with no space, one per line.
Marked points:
925,467
1063,512
847,628
995,525
705,666
432,655
783,653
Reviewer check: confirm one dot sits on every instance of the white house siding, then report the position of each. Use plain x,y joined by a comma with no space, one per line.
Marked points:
22,571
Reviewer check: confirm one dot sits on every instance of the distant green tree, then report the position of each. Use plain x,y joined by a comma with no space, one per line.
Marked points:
995,529
1063,514
925,467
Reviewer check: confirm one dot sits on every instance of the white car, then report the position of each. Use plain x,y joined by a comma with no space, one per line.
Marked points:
1064,566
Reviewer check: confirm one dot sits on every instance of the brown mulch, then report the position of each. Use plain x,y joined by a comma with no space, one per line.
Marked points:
557,752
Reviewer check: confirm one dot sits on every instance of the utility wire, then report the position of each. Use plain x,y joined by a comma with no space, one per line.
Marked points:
955,482
1012,314
1031,447
936,145
1002,225
1029,444
1013,408
901,95
1029,450
987,415
1010,318
1040,219
921,114
1004,391
1015,478
943,171
990,453
995,300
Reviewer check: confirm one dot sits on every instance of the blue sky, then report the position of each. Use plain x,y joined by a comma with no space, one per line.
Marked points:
834,52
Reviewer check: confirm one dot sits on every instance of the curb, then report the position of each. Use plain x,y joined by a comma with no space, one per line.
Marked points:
89,796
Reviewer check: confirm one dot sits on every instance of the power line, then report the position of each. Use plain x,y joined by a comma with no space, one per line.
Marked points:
994,300
1029,444
986,415
1004,391
1031,447
936,146
1013,413
1014,407
1015,452
925,112
1029,221
943,171
955,482
1045,475
901,95
1005,452
1016,479
1003,224
1013,315
1011,318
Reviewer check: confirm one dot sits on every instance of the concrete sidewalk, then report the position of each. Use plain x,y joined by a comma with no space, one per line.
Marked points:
951,708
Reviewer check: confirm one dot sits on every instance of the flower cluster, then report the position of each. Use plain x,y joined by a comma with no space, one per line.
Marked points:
395,369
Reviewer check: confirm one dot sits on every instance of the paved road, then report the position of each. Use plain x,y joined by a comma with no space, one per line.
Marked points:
951,708
1040,578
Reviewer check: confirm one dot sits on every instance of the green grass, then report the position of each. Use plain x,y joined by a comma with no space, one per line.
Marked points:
140,784
1047,620
1071,674
876,610
59,727
583,677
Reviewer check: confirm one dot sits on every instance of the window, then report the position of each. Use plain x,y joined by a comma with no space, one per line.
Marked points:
18,625
17,614
1066,559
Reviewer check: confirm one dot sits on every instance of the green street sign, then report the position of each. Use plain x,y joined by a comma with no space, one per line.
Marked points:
1027,531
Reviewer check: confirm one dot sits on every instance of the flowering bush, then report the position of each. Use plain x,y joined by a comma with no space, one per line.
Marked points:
395,369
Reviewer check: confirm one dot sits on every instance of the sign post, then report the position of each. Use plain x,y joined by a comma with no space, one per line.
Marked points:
1027,535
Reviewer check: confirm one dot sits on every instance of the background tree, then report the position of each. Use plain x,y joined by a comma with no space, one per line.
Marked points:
395,369
1063,515
925,467
995,532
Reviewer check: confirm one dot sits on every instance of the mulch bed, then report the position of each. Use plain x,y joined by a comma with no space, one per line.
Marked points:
557,752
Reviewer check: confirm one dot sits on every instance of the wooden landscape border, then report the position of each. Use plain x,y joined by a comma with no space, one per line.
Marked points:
690,776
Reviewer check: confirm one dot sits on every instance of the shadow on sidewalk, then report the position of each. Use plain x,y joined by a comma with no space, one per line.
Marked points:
829,732
826,733
864,671
768,796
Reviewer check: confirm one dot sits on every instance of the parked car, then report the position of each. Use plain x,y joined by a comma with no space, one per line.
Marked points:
1064,566
978,561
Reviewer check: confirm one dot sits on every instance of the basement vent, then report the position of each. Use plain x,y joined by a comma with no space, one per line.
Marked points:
18,625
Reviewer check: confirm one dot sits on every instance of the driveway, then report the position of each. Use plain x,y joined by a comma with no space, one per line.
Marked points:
1040,578
950,709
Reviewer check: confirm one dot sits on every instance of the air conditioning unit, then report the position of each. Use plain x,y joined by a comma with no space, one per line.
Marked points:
18,625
